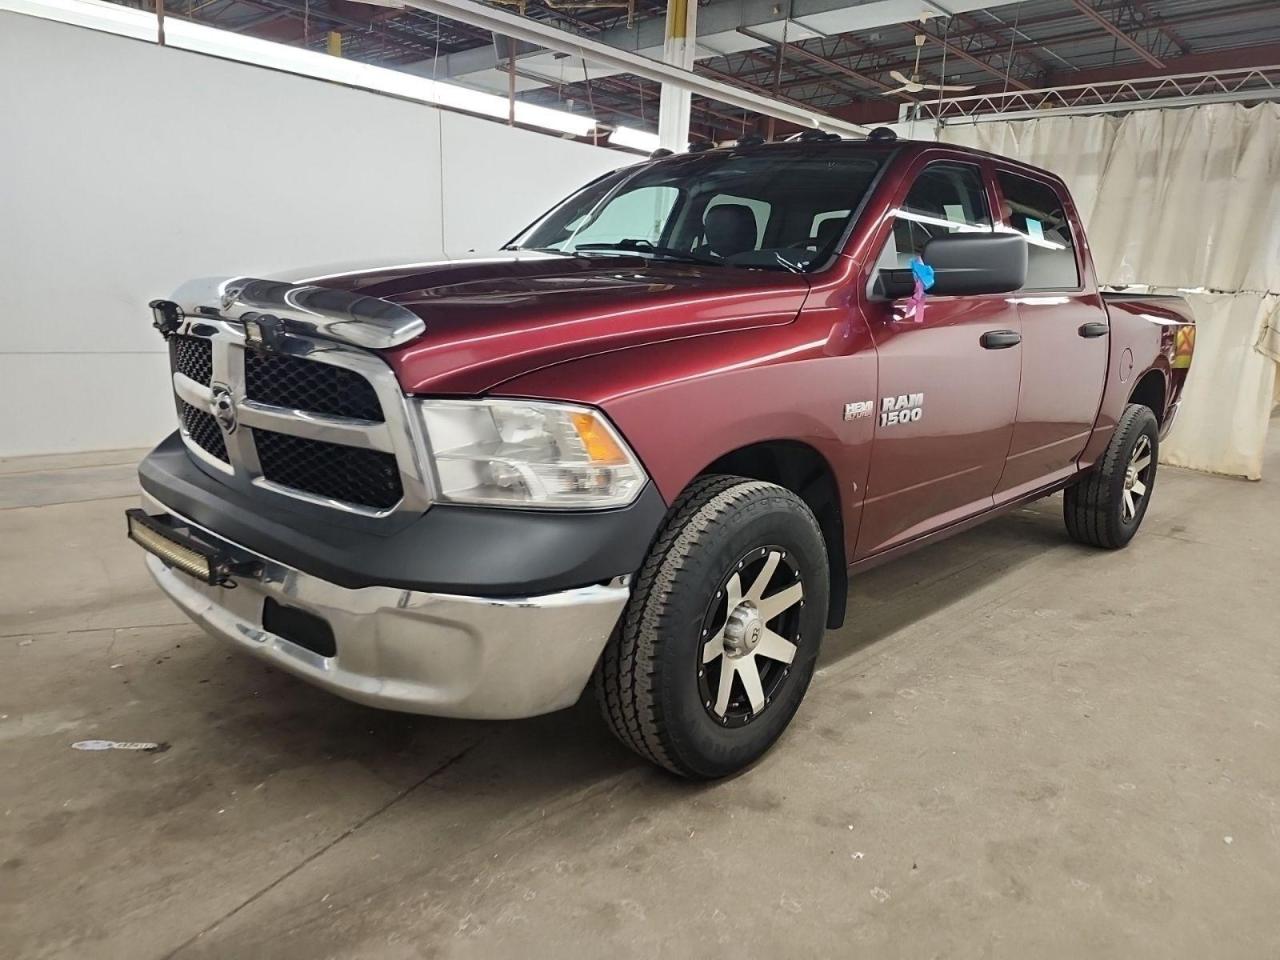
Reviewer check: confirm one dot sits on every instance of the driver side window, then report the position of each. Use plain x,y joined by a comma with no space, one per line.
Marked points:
946,198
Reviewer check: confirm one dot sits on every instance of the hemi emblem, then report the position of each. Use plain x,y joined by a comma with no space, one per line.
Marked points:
858,409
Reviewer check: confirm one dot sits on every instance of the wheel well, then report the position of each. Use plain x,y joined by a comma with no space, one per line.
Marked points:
1150,393
805,472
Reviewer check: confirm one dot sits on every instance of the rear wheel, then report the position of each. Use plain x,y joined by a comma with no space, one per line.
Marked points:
1106,507
718,643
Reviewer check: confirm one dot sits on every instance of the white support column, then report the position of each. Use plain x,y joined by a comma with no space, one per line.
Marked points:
677,50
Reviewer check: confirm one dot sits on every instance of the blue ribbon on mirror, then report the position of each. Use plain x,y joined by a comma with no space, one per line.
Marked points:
922,272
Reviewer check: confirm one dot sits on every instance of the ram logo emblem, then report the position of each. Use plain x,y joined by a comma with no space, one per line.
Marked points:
224,407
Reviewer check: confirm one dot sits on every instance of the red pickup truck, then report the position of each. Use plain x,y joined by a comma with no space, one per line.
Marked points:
644,445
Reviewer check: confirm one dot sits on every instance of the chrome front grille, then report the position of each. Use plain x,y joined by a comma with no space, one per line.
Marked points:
306,385
192,357
200,427
313,420
367,477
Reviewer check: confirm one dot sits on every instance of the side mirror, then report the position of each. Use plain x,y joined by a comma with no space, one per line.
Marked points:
964,263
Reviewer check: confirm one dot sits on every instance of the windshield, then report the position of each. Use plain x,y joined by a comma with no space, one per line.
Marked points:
771,209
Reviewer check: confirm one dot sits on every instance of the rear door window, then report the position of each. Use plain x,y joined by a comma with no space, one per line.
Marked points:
1035,210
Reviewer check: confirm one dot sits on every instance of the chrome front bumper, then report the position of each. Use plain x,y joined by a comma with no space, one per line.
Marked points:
440,654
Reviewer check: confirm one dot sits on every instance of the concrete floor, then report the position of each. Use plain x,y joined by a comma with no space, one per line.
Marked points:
1017,747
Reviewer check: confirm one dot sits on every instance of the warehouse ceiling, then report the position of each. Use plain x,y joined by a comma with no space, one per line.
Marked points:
833,56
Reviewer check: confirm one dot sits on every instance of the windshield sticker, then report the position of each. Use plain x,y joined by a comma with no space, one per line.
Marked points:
1035,230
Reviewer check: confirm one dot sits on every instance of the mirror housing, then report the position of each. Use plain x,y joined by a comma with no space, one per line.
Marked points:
964,264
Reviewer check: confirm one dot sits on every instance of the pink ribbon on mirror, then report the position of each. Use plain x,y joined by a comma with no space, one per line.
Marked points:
915,304
923,274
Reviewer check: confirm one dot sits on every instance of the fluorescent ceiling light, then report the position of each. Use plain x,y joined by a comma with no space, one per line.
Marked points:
107,17
634,139
198,38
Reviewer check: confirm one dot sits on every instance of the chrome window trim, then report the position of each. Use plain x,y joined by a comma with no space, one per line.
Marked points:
400,434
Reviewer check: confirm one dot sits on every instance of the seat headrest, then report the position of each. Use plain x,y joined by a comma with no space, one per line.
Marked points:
828,232
730,228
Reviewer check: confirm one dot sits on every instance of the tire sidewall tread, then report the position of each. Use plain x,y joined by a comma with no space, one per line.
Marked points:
1092,507
646,680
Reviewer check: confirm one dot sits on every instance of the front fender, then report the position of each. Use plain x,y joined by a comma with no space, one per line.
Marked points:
684,404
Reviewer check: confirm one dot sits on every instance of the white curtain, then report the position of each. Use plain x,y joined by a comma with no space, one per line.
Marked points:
1182,199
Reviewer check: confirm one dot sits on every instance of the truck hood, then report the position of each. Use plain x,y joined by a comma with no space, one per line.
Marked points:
489,318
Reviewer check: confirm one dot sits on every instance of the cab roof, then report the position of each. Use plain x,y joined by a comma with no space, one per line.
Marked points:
898,147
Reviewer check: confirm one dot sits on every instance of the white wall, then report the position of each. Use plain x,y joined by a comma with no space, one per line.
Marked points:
126,168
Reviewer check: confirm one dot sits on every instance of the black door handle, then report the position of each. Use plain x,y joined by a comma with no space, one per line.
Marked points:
1094,328
1000,339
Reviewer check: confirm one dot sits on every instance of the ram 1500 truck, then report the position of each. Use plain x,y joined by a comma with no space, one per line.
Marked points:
643,446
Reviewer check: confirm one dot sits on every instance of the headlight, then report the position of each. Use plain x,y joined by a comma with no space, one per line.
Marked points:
521,453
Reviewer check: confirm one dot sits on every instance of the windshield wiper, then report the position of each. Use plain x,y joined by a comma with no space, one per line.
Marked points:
793,267
518,249
645,247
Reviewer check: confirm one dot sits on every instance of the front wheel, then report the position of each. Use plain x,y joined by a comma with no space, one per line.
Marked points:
1106,507
719,640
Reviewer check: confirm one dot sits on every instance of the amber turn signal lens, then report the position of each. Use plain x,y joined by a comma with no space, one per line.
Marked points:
601,447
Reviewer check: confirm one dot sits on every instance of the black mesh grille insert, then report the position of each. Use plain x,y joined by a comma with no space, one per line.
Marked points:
204,430
365,477
193,357
308,385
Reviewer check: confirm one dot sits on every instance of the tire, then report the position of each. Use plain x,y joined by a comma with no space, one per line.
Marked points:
1106,507
658,692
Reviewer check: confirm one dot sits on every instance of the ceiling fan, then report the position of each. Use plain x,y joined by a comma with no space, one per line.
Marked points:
913,83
